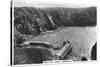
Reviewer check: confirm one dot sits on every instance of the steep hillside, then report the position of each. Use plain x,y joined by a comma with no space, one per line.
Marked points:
32,21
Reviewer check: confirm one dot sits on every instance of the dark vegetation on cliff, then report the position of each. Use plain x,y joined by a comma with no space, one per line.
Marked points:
31,55
32,21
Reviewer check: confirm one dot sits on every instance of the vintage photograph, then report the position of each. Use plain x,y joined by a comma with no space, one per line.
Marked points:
50,31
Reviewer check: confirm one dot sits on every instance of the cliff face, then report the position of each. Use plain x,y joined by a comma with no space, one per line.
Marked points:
33,21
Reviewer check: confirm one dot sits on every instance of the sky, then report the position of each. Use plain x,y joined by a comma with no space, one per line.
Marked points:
50,3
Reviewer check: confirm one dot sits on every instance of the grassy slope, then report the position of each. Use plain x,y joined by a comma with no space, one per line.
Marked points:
31,55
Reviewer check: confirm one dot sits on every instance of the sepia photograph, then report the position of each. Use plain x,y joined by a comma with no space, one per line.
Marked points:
49,32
